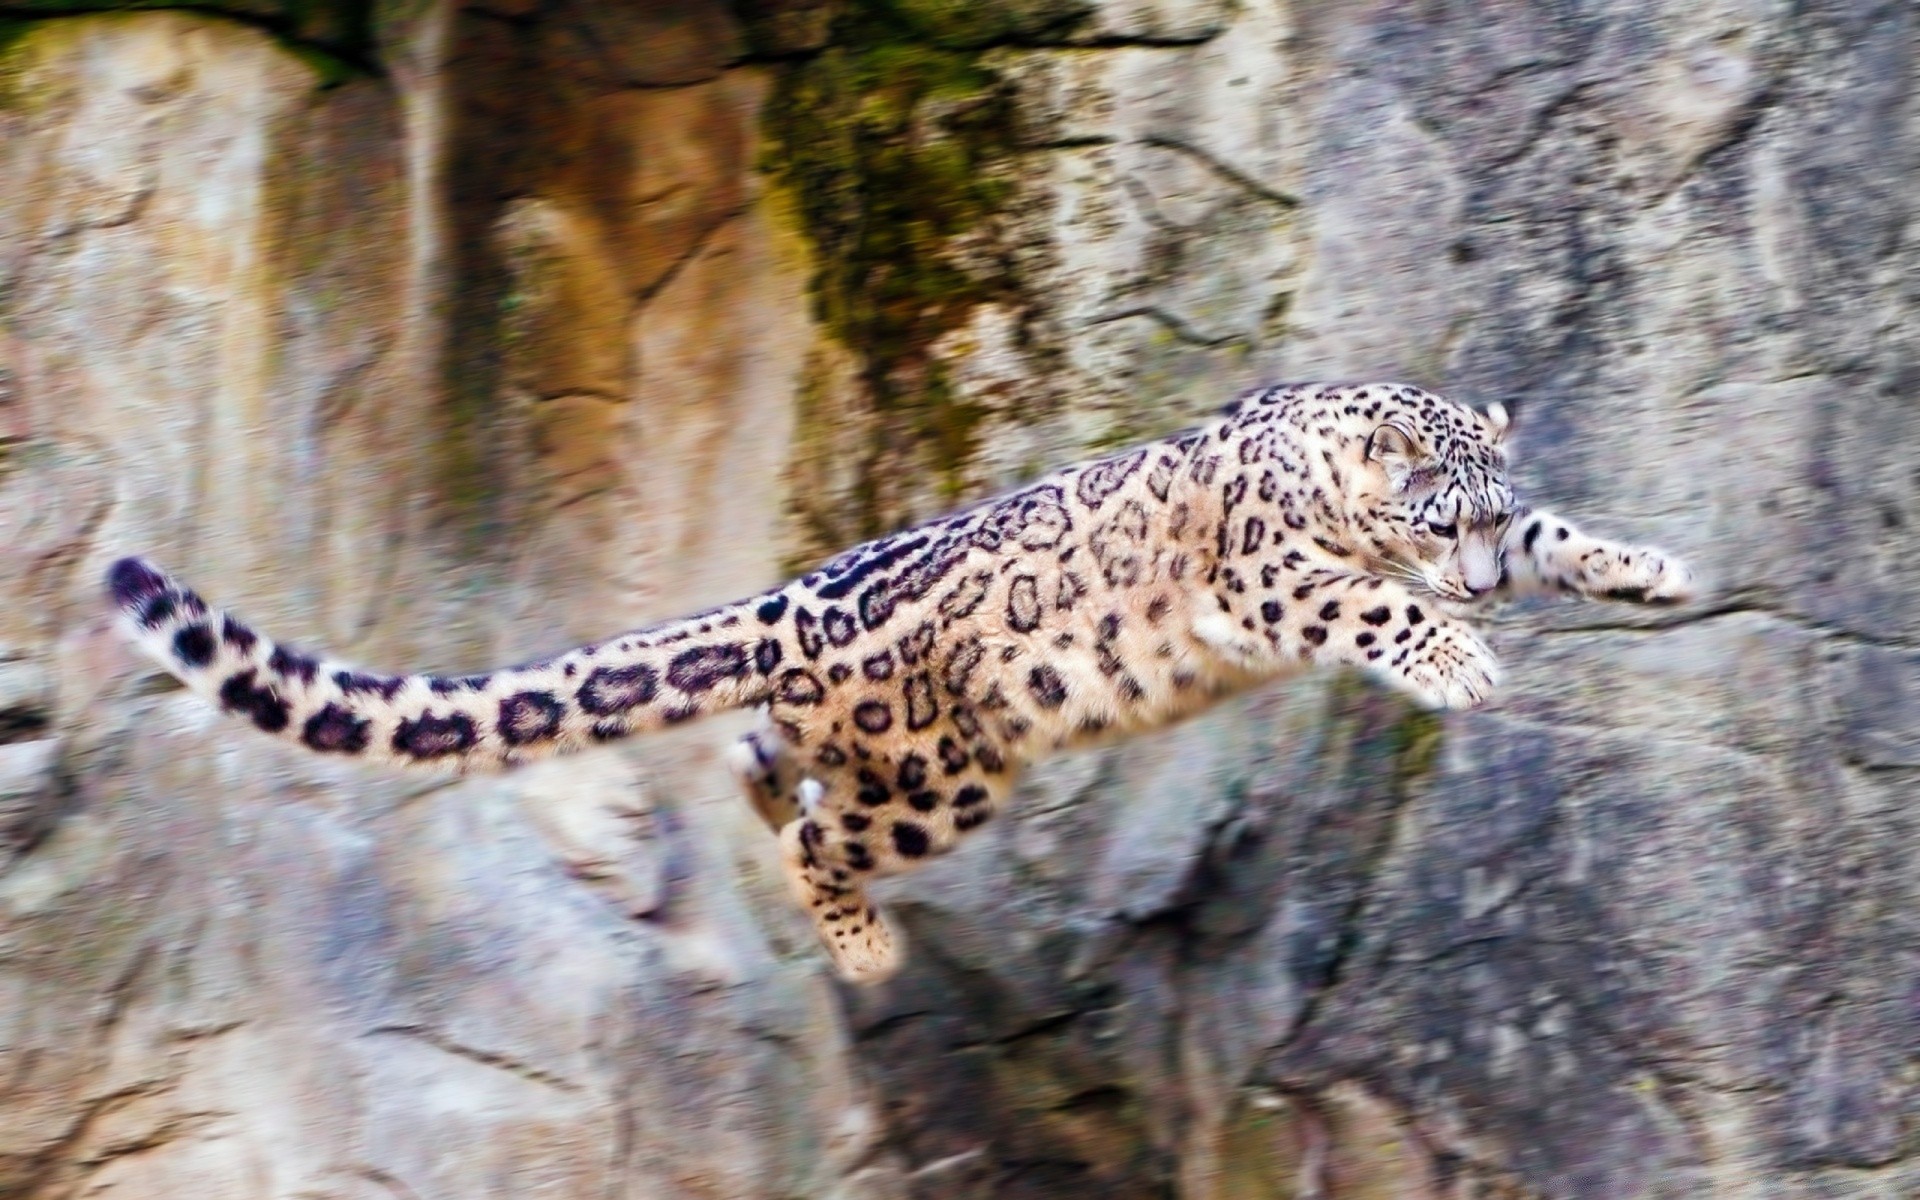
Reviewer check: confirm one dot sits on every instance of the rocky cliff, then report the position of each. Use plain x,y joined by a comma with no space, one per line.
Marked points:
444,335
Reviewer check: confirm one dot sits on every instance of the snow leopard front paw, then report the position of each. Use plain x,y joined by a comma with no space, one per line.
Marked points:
1642,575
1448,667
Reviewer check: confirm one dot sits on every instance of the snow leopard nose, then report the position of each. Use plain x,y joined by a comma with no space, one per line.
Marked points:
1479,564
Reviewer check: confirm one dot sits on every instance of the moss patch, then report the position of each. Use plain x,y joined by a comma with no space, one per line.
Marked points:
1414,743
894,148
12,61
898,142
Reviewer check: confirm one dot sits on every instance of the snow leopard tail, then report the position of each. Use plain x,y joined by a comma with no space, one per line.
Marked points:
726,658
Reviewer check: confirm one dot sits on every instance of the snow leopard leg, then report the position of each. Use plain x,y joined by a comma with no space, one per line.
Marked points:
1545,553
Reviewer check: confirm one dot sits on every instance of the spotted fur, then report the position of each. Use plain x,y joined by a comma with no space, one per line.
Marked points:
907,682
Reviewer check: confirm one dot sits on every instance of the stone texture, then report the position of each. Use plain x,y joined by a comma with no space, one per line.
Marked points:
566,315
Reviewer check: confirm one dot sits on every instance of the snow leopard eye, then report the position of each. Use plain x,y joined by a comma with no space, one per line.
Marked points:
1445,531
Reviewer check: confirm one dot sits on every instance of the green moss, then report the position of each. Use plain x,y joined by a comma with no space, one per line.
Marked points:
1414,742
1392,749
12,29
965,24
948,426
898,142
893,149
12,60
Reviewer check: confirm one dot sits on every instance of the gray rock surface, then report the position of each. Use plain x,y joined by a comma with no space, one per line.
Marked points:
568,315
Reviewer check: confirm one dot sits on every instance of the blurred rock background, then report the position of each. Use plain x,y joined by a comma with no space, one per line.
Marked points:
448,334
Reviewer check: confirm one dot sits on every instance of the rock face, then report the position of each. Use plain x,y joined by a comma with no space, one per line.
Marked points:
449,335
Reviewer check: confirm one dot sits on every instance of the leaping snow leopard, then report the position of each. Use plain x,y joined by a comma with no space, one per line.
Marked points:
907,682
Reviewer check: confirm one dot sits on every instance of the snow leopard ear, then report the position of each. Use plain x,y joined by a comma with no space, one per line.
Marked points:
1498,421
1394,448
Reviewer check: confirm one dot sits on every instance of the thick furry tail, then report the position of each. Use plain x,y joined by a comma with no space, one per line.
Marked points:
630,683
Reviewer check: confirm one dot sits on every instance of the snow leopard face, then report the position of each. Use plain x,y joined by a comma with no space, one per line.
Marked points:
1433,494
